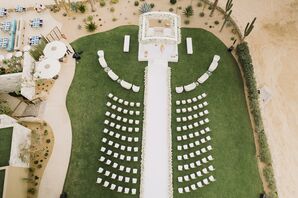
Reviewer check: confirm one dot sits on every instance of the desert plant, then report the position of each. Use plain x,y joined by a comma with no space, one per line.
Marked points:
213,7
145,7
112,9
202,14
82,8
91,26
173,2
4,108
249,27
188,11
152,5
90,18
227,17
216,22
186,22
136,3
114,1
171,9
102,3
199,4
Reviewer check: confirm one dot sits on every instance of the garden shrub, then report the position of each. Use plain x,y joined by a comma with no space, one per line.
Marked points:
173,1
102,3
268,174
136,3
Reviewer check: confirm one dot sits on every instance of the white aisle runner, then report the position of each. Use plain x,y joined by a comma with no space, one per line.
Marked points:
157,166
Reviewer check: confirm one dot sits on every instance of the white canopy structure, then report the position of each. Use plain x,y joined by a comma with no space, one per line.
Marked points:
159,27
47,68
55,50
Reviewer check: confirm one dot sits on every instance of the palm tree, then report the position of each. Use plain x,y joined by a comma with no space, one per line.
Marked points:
145,7
188,11
213,7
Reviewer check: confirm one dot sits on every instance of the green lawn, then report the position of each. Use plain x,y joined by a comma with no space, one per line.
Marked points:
5,144
232,139
86,105
2,177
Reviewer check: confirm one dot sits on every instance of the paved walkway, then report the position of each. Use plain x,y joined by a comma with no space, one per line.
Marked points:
56,115
156,172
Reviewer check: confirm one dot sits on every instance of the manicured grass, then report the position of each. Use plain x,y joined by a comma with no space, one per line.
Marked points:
2,177
232,139
5,144
86,105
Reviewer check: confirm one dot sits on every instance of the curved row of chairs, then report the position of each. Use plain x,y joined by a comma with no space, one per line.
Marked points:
113,186
191,100
113,75
199,173
192,154
114,176
193,134
192,108
196,164
192,117
193,125
117,166
195,186
122,119
122,110
121,127
120,137
194,144
124,102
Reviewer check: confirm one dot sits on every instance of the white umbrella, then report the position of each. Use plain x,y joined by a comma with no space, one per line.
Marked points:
55,49
47,68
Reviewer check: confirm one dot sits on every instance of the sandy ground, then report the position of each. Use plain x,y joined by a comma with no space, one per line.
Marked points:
274,48
56,115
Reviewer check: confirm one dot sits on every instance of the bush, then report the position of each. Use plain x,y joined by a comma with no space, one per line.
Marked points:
136,3
114,1
173,1
269,176
186,22
91,26
199,4
145,7
152,5
112,9
4,108
171,9
216,22
82,8
202,14
102,3
188,11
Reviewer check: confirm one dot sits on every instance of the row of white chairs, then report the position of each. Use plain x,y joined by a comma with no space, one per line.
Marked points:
194,125
196,164
194,134
121,156
193,144
120,137
114,176
122,119
122,110
113,186
120,127
122,101
118,166
121,147
192,108
191,100
192,154
191,117
199,173
197,185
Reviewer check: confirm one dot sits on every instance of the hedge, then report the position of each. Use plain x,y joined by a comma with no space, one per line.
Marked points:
245,60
